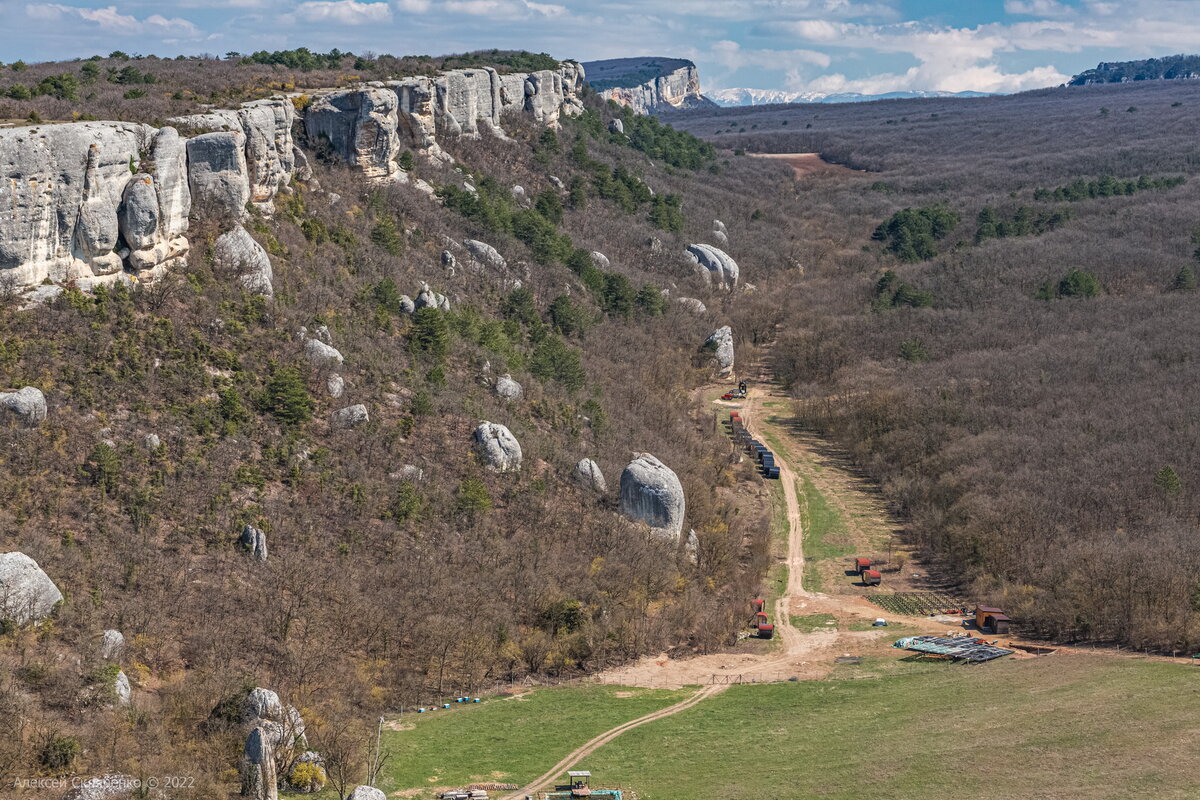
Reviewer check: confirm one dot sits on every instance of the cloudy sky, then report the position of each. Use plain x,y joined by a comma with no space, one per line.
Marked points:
871,46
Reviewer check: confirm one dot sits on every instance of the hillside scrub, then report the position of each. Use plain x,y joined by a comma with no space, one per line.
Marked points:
400,569
1022,438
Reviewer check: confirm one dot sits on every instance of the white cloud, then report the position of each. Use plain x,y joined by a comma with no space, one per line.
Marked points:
1036,8
504,9
109,19
413,6
343,12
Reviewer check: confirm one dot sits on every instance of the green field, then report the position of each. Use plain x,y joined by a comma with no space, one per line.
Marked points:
509,739
823,525
1056,727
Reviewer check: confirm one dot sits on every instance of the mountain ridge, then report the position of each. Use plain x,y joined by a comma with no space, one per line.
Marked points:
736,97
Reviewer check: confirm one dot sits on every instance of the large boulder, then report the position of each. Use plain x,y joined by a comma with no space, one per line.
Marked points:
123,690
27,404
485,254
258,767
105,787
26,592
652,493
138,215
217,173
497,447
320,354
715,265
261,703
350,416
599,260
367,793
693,305
720,344
112,645
238,251
507,389
254,542
588,475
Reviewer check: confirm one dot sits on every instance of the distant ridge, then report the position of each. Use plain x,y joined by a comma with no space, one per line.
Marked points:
757,97
648,84
1178,67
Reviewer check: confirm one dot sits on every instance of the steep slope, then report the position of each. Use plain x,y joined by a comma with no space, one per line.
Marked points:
330,456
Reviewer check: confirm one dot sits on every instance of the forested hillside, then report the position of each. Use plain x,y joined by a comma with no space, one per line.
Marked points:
1150,69
996,318
397,567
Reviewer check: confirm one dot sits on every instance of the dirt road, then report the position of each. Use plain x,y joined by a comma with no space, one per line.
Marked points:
558,770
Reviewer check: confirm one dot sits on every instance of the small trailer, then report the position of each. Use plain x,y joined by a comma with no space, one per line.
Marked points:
871,577
861,564
771,473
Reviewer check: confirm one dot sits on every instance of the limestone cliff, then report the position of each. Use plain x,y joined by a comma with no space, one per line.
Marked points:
648,85
369,127
94,202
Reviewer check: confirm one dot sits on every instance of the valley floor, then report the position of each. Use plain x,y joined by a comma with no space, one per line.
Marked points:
1063,726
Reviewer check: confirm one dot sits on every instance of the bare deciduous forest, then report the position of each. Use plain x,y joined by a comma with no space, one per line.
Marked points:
400,569
1025,401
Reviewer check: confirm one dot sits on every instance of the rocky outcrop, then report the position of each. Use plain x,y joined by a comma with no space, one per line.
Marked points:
599,260
26,592
217,173
123,690
64,200
254,542
112,645
693,305
485,254
427,298
507,389
715,265
258,767
370,127
27,404
105,787
652,493
266,157
720,344
366,793
320,354
497,447
236,250
350,417
283,725
261,704
336,385
588,475
648,85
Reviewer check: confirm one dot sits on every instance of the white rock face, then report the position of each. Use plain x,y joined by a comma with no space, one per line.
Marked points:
427,298
693,305
370,127
112,645
498,447
217,173
105,787
366,793
652,493
588,475
485,254
27,404
65,189
677,87
26,592
237,250
350,417
335,385
262,703
616,126
258,767
720,237
720,344
320,354
123,690
268,154
600,260
715,265
254,542
151,441
719,226
507,388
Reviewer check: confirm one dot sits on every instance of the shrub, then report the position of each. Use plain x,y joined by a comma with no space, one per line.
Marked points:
913,233
430,335
286,397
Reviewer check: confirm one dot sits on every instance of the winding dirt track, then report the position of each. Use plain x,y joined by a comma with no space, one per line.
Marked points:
547,779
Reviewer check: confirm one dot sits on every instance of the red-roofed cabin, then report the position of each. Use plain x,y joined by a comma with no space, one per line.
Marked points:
861,564
758,604
992,620
871,578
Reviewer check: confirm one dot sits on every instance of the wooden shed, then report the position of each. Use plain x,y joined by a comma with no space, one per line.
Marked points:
991,620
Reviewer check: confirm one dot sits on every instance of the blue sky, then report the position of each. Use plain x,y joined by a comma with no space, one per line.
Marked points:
868,46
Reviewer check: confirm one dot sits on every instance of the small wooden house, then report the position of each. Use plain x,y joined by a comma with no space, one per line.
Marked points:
871,577
991,620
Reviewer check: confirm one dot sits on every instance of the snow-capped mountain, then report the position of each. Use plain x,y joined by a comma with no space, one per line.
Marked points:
759,97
